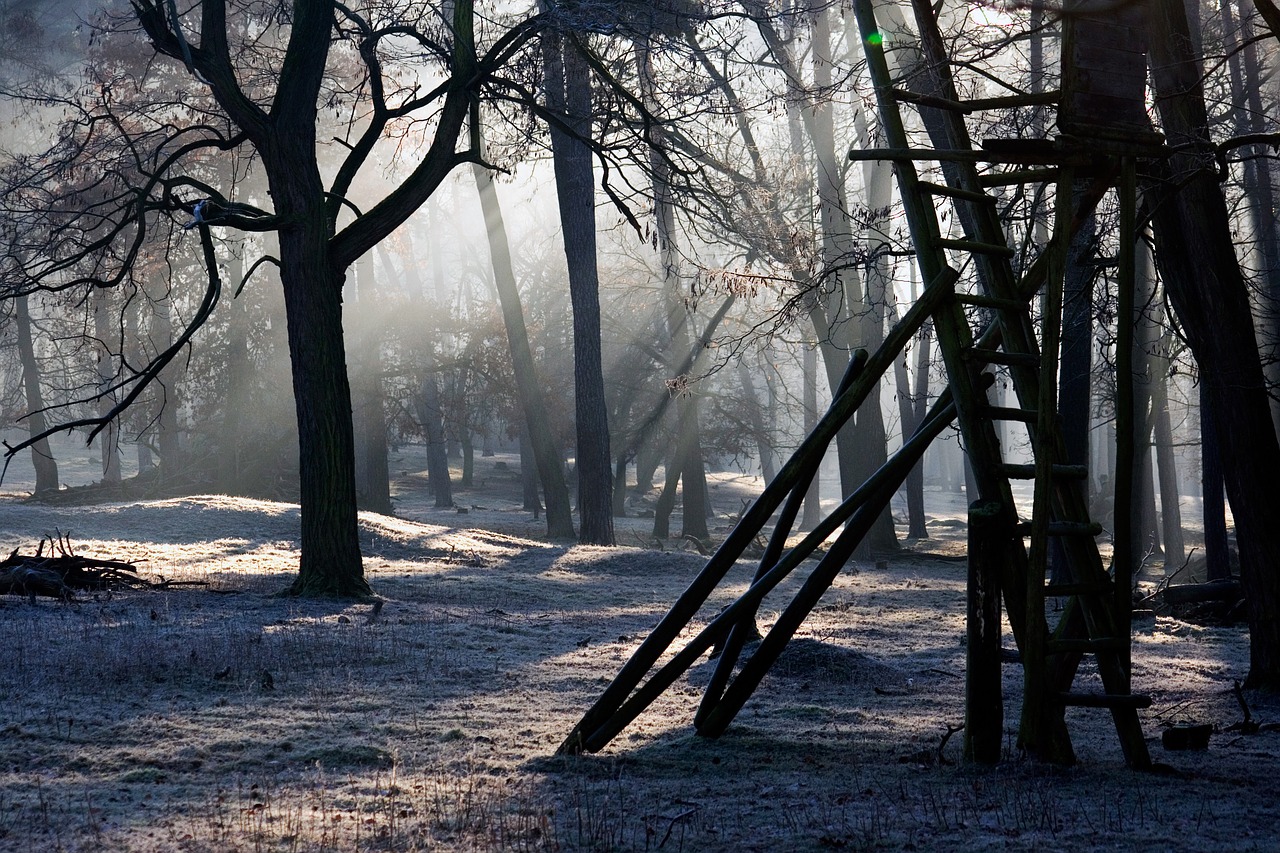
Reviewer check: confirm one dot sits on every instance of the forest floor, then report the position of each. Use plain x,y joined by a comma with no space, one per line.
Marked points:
228,718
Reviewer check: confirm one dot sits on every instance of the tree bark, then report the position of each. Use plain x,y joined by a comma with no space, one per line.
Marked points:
1205,286
569,95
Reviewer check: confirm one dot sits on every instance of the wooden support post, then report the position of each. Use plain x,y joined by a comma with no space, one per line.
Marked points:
989,535
1039,718
1123,555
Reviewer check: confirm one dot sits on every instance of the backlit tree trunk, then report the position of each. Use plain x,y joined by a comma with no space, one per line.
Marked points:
569,95
1205,286
42,460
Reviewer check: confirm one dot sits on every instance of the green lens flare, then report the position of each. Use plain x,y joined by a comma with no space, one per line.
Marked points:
875,39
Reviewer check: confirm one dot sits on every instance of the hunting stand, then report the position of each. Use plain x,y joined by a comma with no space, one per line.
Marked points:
1103,133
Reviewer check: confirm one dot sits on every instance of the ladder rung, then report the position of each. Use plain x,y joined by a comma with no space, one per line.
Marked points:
1064,590
1010,359
1066,528
956,192
1102,644
976,247
1028,472
997,302
1001,413
1104,700
909,97
1021,176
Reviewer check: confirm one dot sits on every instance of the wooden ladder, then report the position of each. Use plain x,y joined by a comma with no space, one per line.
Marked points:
1095,616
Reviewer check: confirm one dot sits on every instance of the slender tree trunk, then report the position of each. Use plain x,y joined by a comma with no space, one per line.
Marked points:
467,480
431,418
1175,549
694,497
369,425
812,516
569,94
46,467
109,437
1213,499
529,474
917,527
232,441
541,443
167,433
1205,286
761,432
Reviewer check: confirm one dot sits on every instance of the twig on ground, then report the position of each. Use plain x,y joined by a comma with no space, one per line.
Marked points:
941,746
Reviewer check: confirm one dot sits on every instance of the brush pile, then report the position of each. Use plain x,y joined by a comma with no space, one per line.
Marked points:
61,572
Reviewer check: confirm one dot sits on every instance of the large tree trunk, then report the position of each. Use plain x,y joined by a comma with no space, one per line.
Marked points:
528,388
42,460
330,562
1250,116
1205,286
569,94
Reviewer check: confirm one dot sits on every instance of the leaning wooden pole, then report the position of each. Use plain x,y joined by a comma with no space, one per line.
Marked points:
887,479
643,659
880,488
742,630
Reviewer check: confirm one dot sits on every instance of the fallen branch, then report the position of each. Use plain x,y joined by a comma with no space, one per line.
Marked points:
62,572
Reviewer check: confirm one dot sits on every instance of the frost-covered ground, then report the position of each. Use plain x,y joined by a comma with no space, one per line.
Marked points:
228,719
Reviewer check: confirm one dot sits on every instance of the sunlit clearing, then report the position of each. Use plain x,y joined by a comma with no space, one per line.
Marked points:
993,16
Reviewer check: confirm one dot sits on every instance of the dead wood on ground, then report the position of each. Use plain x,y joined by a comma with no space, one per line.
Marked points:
61,573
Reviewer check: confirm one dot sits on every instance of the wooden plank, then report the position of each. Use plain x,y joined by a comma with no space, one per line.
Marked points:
1129,701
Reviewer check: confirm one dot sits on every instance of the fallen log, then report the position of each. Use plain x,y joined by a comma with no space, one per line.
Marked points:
1199,593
